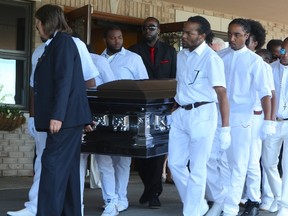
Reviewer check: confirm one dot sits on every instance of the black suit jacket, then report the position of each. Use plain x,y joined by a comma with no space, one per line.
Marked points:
165,60
59,87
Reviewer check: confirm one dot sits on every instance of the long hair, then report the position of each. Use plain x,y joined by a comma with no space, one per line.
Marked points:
258,32
242,22
52,19
204,27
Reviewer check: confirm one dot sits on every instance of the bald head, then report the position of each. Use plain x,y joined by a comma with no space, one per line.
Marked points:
217,44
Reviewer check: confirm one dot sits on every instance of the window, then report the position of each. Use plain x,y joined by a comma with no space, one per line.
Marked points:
15,37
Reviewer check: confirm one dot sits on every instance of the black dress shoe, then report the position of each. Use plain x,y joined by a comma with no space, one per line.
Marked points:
154,202
251,208
144,198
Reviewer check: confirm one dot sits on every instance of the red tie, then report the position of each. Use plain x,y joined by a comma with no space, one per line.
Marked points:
152,52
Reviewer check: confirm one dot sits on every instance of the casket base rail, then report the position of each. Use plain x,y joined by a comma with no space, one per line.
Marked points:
132,118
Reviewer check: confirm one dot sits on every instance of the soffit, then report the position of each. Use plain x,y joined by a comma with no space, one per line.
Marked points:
271,11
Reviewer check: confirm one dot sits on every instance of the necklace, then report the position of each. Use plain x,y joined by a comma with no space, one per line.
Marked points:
283,88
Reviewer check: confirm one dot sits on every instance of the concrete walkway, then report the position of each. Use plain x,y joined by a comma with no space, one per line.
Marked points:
14,192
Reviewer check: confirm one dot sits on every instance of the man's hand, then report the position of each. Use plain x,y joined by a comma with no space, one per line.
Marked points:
90,127
55,126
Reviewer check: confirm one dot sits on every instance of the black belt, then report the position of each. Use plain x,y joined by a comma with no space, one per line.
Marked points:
281,119
257,112
195,105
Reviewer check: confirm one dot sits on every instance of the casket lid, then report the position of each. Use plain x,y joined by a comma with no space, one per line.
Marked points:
136,89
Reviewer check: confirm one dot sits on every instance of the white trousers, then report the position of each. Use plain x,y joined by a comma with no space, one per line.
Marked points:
270,154
190,139
40,143
238,156
95,181
253,177
83,167
233,173
114,174
218,173
266,195
94,173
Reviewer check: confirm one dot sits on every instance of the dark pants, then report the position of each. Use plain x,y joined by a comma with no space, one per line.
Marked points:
150,172
59,189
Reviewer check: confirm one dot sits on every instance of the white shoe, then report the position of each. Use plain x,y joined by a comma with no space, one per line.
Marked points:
204,208
23,212
110,210
265,206
215,210
243,201
274,206
283,211
122,205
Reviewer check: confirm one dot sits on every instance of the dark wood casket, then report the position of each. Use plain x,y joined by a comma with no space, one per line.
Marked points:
132,118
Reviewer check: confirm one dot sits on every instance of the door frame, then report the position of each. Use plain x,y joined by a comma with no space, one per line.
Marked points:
84,13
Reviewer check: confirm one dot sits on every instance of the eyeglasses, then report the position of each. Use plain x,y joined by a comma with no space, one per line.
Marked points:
150,28
282,51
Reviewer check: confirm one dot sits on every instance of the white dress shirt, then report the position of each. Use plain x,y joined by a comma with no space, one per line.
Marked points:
281,88
88,67
126,65
105,72
197,73
244,72
268,71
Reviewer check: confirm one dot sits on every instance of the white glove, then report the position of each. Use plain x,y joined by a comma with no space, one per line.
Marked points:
225,138
268,129
31,127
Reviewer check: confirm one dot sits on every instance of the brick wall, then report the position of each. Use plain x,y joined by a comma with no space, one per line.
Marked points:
17,147
16,152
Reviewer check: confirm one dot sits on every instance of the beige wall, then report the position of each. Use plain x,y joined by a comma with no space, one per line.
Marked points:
220,21
166,13
16,149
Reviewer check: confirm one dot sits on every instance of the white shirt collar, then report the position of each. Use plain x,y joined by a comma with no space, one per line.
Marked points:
122,52
50,39
243,49
199,50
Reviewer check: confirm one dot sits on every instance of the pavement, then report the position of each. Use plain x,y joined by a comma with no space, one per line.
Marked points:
14,193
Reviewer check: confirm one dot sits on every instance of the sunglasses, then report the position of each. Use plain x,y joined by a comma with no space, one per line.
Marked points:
150,28
282,51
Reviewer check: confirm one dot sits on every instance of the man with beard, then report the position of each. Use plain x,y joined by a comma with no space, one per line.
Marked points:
115,170
160,61
200,84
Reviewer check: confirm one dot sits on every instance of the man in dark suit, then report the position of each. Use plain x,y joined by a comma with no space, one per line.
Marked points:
160,61
61,108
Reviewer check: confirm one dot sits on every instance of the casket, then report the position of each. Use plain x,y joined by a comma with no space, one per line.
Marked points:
132,118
